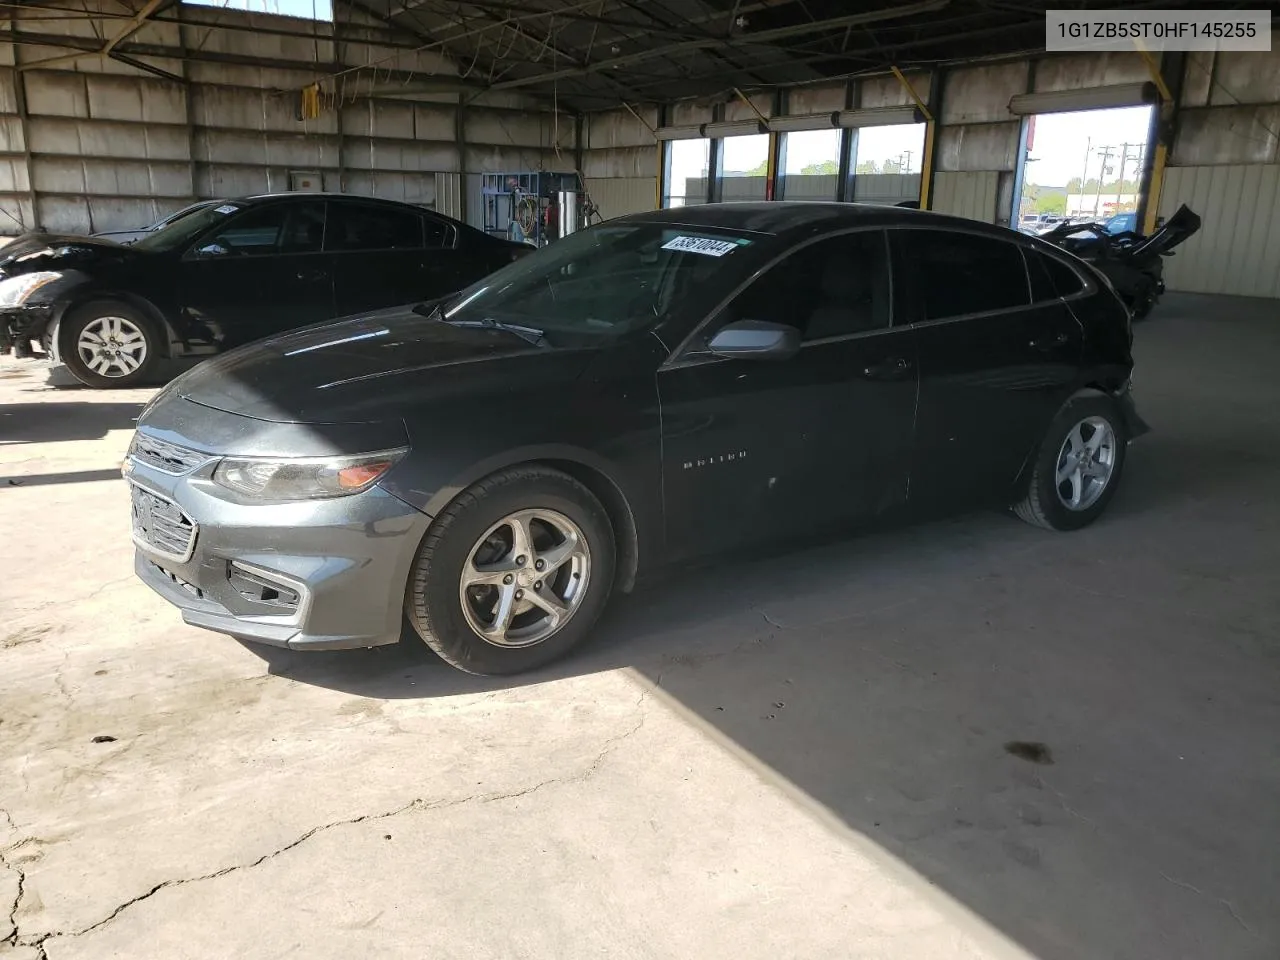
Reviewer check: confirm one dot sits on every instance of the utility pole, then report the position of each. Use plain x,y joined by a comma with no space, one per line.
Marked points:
1084,175
906,161
1124,156
1105,153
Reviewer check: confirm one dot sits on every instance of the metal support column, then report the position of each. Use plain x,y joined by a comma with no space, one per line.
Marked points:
715,186
459,136
848,147
1168,76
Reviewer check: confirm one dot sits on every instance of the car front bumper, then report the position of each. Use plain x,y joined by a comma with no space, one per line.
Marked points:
320,574
21,324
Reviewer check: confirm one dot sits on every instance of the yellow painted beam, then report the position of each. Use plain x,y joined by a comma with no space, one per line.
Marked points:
1160,158
926,164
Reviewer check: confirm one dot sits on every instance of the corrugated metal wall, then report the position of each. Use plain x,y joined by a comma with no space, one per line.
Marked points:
620,161
1225,165
449,195
618,196
1237,250
973,195
94,144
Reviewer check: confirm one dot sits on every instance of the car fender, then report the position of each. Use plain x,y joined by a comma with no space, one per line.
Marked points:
636,528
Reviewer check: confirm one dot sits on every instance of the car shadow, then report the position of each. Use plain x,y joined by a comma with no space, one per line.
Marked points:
65,420
1028,720
1072,736
60,378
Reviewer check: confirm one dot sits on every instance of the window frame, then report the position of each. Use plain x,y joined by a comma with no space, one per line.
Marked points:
450,231
357,203
899,229
686,353
1087,286
245,211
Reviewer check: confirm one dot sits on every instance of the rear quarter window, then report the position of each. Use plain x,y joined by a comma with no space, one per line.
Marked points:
955,274
1050,277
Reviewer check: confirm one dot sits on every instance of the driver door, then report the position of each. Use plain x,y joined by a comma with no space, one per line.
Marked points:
261,272
759,449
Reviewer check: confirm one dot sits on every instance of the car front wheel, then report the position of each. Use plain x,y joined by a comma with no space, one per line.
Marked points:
1078,466
513,573
107,344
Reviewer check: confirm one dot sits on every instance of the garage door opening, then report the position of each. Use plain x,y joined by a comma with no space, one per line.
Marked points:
1084,166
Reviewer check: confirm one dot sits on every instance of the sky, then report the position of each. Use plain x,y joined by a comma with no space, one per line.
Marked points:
311,9
1061,139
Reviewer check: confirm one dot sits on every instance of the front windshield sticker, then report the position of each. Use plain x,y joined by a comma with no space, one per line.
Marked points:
226,208
702,245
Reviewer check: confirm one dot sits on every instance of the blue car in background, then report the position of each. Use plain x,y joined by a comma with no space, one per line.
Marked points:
1122,223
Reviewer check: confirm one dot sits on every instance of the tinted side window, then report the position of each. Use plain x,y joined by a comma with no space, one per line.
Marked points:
960,273
1042,287
355,226
277,228
831,288
1065,280
439,234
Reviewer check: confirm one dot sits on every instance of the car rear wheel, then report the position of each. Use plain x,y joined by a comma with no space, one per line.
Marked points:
514,573
107,344
1078,466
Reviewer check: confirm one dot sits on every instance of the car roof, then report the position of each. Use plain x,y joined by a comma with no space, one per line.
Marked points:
257,198
782,217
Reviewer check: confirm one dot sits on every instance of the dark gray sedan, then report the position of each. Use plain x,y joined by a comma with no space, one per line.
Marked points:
494,464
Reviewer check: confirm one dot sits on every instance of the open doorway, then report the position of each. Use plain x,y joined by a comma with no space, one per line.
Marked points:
1084,166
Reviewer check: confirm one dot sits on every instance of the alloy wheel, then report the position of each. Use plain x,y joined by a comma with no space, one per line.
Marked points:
1085,463
525,578
112,346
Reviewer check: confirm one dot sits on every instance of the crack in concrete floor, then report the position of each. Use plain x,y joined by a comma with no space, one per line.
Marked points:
39,943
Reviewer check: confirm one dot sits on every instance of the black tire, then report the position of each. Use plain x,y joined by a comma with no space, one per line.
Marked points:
432,600
1042,505
74,324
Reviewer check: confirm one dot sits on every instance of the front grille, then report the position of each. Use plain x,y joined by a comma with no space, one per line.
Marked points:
166,457
161,525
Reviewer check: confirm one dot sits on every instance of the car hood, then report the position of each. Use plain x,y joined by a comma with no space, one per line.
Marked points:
53,251
372,368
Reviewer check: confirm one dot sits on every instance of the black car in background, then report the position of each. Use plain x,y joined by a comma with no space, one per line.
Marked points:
229,274
658,387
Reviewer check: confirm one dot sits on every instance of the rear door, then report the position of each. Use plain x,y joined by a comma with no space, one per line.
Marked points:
386,255
995,364
260,272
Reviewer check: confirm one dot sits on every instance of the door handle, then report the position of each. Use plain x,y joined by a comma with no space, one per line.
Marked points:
893,368
1049,343
310,274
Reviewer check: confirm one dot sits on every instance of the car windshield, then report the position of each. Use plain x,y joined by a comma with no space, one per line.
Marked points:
181,215
606,281
182,231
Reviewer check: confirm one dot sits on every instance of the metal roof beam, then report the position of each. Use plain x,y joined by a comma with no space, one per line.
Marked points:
703,43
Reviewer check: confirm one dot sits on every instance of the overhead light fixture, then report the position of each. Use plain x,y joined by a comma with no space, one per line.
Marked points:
734,128
880,116
688,132
805,121
1085,98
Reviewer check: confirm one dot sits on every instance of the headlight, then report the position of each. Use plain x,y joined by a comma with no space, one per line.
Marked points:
305,479
15,291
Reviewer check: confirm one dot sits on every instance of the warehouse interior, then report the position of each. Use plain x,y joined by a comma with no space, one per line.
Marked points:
193,101
961,740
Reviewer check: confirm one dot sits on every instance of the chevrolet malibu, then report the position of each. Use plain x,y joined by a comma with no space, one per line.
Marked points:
492,465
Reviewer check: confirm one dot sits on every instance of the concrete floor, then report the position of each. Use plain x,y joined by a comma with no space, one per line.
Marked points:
800,756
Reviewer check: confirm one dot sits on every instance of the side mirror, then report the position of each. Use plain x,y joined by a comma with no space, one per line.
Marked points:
212,250
757,340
